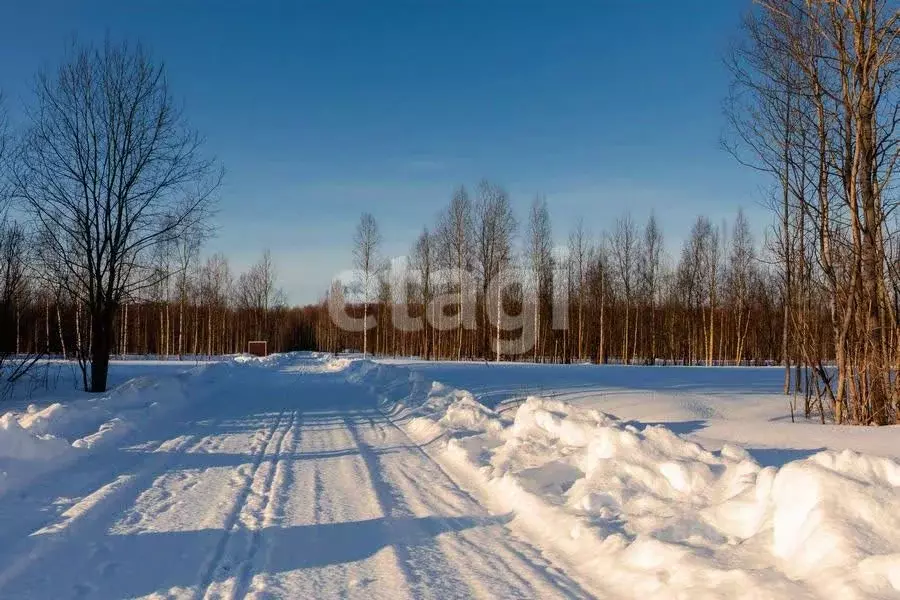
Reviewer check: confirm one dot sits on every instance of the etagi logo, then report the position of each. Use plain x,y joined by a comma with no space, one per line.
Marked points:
452,302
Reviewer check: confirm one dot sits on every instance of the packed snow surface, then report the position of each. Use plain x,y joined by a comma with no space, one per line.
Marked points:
311,476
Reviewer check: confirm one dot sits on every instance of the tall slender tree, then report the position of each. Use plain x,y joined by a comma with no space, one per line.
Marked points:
540,258
495,227
624,249
455,233
650,263
366,259
422,264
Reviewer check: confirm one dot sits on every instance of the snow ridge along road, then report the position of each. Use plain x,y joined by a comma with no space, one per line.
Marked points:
642,512
279,480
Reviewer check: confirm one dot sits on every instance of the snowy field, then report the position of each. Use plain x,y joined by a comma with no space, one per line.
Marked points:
307,476
708,405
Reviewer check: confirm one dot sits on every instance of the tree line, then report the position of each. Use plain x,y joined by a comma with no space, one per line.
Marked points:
614,297
206,311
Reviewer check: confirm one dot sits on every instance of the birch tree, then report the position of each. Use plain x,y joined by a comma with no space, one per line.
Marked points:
844,59
650,259
578,255
188,251
741,277
366,260
624,253
455,232
540,258
495,226
422,263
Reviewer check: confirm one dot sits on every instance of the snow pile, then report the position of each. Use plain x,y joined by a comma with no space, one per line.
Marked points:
313,363
18,444
703,522
291,361
644,512
23,452
90,419
428,408
42,439
836,512
46,420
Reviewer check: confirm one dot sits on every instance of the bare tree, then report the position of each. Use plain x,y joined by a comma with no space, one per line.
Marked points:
216,286
13,285
579,257
540,258
366,260
455,231
597,284
765,109
269,294
650,259
384,294
257,293
825,72
495,226
14,259
705,245
741,277
13,277
624,250
694,282
422,264
109,170
187,253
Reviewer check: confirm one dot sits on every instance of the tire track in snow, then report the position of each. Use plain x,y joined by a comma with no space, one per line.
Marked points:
232,521
284,475
426,570
516,550
263,516
338,498
318,492
274,511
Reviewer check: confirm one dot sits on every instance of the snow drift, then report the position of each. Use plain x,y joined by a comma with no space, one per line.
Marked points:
39,440
644,512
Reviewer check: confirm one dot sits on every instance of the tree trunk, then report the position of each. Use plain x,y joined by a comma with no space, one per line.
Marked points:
499,303
103,326
62,341
602,328
125,331
47,325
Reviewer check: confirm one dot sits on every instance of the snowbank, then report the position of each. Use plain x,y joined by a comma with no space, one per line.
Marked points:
644,512
39,440
19,444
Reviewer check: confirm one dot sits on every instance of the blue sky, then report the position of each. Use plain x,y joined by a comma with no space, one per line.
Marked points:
321,110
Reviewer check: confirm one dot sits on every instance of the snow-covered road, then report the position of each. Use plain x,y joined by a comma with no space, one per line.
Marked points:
269,483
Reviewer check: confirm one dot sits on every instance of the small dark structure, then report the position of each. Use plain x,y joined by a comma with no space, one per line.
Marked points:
258,348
